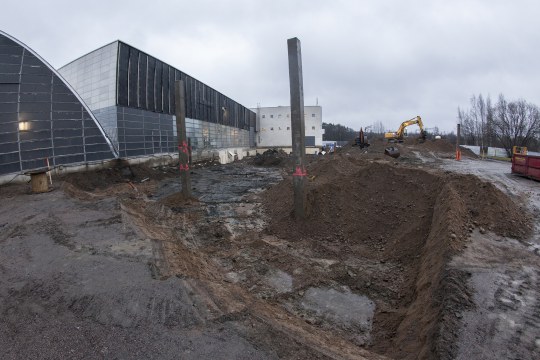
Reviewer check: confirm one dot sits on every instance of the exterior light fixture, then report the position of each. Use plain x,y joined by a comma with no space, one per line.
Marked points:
24,126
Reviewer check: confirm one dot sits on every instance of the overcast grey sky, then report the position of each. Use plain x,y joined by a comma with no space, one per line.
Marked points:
365,61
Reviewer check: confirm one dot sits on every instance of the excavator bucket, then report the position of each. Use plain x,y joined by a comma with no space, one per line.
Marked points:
392,151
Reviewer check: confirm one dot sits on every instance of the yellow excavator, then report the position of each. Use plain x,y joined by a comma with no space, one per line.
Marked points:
399,134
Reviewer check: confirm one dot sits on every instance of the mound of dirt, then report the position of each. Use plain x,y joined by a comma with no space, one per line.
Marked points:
120,172
404,224
439,145
270,157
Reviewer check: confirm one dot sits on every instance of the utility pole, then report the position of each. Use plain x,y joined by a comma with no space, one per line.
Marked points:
183,148
458,150
297,126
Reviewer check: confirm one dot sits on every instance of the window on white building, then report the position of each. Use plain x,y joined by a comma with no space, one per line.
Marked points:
312,115
263,116
288,128
313,128
271,116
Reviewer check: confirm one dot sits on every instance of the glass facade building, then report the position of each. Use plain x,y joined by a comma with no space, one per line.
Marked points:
41,116
132,95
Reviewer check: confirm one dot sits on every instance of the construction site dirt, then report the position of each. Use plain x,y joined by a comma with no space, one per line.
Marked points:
419,257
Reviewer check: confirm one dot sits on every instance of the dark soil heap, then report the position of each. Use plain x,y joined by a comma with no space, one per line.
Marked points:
405,225
440,147
271,157
120,171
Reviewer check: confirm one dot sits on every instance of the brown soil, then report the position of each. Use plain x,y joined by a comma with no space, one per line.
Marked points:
119,172
441,148
375,226
404,225
271,157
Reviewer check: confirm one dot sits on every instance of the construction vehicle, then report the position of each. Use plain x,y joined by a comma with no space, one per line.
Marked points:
520,150
361,140
400,133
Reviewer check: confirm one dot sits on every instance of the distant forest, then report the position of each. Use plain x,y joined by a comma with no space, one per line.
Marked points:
337,132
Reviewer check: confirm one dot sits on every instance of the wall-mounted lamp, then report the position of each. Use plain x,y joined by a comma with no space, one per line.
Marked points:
24,126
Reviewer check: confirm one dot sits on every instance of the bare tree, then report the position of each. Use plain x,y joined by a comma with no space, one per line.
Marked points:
468,133
479,114
490,131
378,127
477,123
468,127
516,123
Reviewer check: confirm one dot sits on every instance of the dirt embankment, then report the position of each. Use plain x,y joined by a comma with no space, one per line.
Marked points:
404,225
440,148
119,172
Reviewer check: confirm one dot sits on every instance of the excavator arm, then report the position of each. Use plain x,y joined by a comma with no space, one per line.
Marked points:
398,135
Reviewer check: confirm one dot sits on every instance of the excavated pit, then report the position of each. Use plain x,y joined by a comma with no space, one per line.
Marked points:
387,233
370,262
370,267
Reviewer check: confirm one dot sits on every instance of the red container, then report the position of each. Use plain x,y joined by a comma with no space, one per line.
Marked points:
526,165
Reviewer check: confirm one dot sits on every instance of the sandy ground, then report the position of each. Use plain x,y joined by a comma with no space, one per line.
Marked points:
103,268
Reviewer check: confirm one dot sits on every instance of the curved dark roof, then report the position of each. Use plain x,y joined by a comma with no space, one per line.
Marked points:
41,116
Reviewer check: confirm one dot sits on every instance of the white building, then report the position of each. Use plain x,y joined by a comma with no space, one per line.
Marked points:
274,126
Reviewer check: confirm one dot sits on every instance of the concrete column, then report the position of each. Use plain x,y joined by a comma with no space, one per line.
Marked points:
458,150
183,148
297,126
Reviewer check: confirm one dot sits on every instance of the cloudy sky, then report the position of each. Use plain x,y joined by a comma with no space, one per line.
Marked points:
363,61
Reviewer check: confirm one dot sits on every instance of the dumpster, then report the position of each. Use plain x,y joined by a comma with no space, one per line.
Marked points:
526,165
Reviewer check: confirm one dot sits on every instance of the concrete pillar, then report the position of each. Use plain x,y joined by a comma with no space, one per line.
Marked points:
458,150
183,148
297,126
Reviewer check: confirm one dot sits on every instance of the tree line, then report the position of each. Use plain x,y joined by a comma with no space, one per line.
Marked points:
338,132
501,124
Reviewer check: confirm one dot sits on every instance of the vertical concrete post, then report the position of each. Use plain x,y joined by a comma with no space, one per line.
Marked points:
183,149
297,126
189,151
458,150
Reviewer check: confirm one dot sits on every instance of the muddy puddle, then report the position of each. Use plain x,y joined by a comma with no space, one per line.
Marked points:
279,281
220,184
344,309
